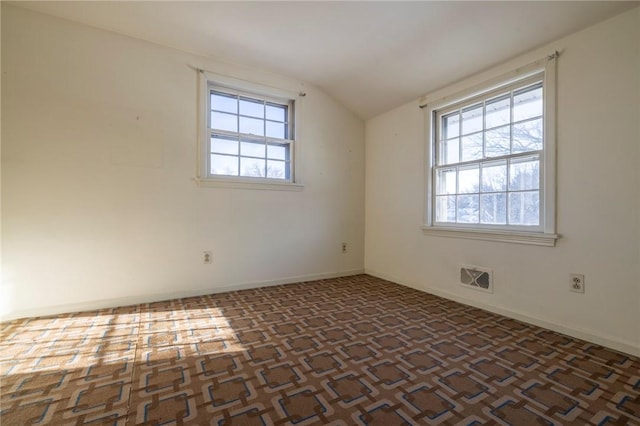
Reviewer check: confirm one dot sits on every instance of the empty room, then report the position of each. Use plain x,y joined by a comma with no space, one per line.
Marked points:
310,213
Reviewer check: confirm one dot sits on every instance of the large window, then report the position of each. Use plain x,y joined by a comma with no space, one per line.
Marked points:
492,160
248,139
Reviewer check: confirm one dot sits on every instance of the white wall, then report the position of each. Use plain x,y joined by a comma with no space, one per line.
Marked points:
99,149
598,200
98,206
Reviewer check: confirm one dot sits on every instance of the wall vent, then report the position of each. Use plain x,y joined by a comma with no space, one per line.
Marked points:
477,278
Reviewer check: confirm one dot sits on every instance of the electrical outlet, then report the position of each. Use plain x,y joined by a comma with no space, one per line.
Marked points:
344,247
577,283
206,257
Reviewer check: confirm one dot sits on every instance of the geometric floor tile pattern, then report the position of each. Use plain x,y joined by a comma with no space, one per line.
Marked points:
348,351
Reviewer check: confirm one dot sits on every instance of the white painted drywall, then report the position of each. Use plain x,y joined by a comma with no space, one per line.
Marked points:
99,152
598,141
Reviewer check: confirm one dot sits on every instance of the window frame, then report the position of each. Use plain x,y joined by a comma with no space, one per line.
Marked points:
543,70
209,82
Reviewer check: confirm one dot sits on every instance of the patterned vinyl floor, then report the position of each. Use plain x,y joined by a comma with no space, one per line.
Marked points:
348,351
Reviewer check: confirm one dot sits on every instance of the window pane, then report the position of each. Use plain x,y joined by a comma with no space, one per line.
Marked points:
276,130
468,209
446,208
527,103
224,102
493,208
469,179
527,136
472,119
276,112
251,107
278,152
497,142
524,174
276,169
224,165
451,126
472,147
252,167
223,121
450,151
252,148
524,208
224,145
252,126
498,112
446,183
494,176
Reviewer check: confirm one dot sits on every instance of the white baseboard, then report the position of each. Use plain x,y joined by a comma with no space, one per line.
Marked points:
590,336
149,298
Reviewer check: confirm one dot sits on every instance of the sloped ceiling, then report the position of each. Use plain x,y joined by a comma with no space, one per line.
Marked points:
371,56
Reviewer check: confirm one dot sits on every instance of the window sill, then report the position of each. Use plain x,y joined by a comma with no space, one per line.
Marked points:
258,184
536,239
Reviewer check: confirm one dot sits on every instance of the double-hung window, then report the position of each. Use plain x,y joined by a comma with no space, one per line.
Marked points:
249,136
492,161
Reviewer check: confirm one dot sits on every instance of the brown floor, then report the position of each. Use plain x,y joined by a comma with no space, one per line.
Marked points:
355,350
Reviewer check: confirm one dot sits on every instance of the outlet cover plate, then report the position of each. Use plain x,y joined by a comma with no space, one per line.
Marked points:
576,283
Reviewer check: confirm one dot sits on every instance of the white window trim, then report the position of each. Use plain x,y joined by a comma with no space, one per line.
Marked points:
547,236
203,177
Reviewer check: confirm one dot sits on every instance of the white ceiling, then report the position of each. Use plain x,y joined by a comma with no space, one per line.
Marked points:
371,56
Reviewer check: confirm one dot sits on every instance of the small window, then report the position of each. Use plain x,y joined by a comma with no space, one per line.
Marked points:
492,161
249,137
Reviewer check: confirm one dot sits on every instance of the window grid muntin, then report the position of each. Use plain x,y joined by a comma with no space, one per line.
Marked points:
239,138
481,192
287,142
515,89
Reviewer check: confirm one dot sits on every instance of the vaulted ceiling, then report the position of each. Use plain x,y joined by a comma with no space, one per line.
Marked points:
370,56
